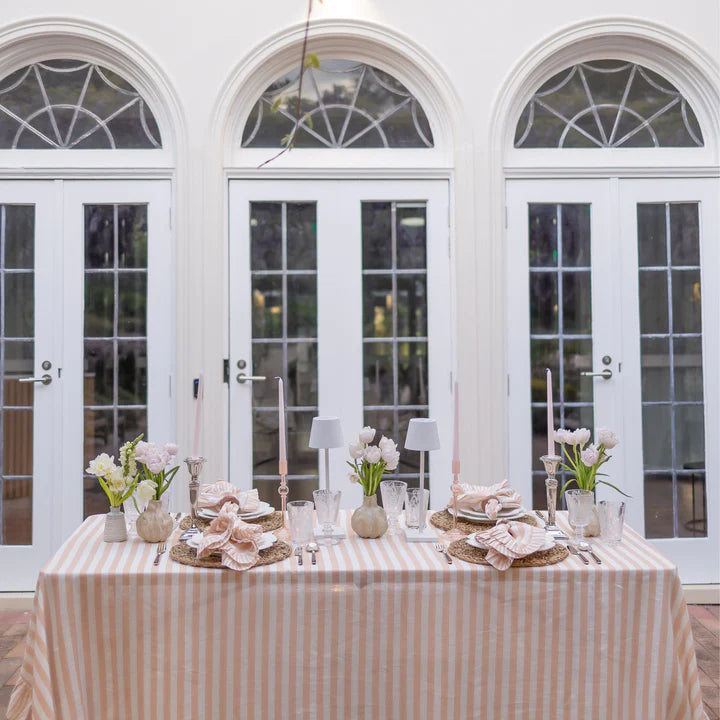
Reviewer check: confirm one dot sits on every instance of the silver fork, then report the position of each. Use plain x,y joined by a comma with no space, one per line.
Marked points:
441,548
162,547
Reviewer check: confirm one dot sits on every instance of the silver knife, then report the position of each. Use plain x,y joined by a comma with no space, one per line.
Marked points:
574,551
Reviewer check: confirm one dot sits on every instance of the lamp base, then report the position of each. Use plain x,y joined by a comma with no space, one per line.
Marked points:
413,535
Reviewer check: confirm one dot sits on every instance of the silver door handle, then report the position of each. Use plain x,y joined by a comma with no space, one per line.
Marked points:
45,379
242,377
606,374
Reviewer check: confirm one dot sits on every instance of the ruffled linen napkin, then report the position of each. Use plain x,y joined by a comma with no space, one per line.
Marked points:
214,496
235,540
489,499
508,541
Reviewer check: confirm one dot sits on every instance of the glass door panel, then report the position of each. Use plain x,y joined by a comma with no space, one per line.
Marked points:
17,351
115,335
283,262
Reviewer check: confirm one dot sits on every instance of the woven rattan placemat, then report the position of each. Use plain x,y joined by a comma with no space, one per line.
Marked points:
186,555
267,523
461,550
444,520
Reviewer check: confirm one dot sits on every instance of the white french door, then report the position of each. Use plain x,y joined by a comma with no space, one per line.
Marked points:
88,307
342,288
609,285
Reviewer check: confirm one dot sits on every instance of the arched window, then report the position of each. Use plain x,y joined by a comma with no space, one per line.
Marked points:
607,104
345,104
73,104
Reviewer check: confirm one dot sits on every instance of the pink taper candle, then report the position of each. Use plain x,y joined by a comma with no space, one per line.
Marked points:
550,426
198,417
281,427
456,436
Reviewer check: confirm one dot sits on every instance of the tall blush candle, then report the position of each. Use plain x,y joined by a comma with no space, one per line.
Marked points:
550,421
282,456
198,417
456,435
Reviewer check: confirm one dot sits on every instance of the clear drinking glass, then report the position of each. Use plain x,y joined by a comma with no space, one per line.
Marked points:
132,513
393,497
300,517
327,506
579,504
612,519
416,505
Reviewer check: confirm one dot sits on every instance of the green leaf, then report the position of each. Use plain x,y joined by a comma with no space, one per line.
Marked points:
605,482
571,480
311,60
276,105
307,119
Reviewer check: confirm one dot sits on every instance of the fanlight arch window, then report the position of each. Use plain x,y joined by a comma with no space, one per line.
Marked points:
345,104
607,104
73,104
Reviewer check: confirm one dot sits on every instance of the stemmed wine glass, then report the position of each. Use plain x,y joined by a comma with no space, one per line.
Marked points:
579,503
393,497
327,506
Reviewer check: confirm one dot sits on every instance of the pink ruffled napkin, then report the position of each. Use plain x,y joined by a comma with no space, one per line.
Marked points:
213,497
510,540
235,540
488,499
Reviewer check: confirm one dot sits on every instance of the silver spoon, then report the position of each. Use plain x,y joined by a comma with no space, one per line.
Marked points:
312,548
586,547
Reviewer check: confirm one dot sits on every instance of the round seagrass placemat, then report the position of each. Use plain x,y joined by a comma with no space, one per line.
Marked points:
267,523
444,520
461,550
186,555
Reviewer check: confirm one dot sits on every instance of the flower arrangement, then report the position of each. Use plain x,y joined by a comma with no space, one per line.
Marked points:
118,481
370,462
583,462
156,478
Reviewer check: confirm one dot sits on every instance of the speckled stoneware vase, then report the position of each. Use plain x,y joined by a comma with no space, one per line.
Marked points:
369,520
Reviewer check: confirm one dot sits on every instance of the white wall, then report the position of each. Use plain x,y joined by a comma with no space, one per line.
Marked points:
474,46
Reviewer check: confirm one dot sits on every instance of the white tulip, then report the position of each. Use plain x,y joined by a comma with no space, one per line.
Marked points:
606,437
367,434
387,443
353,477
357,450
579,436
589,456
373,454
562,435
392,463
116,480
146,491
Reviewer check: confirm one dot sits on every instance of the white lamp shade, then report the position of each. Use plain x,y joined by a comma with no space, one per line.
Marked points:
422,435
326,433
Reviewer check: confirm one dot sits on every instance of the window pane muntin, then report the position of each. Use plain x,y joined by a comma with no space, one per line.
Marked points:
673,443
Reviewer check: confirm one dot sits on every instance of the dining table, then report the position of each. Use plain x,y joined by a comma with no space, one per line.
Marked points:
376,629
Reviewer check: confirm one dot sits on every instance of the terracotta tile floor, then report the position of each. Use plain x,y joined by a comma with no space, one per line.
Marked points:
705,624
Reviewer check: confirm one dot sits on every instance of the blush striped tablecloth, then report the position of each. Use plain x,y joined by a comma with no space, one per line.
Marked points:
378,629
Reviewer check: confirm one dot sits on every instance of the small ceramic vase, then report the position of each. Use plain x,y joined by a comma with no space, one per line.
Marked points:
115,528
154,524
369,520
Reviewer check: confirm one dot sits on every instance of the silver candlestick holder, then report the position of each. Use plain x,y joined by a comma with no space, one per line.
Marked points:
551,463
194,466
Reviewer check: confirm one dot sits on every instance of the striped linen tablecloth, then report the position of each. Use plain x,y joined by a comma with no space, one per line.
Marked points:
378,629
